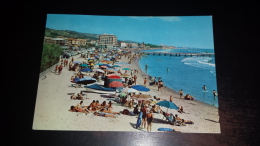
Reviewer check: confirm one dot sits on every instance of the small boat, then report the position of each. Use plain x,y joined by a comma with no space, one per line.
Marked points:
99,89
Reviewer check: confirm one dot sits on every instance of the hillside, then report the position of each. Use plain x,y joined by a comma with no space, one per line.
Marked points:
69,34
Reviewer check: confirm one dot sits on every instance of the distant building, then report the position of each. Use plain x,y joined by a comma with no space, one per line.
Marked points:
132,45
59,41
47,40
122,44
107,40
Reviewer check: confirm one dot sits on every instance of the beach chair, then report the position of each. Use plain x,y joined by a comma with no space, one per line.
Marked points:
170,119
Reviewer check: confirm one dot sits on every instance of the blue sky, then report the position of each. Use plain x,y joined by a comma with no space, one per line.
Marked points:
179,31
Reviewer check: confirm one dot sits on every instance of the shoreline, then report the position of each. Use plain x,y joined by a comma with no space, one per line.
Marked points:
165,87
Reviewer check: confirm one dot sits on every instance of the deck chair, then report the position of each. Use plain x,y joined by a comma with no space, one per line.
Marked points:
170,119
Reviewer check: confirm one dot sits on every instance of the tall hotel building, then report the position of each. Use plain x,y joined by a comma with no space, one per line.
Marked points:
107,41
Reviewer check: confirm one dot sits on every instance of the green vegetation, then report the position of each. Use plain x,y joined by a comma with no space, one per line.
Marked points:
152,46
69,34
50,56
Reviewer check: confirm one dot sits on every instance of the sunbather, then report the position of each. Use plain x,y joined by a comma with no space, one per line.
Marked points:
105,115
79,96
156,98
73,96
188,97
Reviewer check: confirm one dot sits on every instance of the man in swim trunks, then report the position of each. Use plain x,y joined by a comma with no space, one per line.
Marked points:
145,80
181,93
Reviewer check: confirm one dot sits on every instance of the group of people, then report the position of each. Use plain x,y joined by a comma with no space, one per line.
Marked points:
96,108
145,117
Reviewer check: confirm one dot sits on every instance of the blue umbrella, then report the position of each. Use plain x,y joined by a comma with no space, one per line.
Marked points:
107,65
115,66
126,69
86,70
111,69
83,65
77,62
168,105
140,88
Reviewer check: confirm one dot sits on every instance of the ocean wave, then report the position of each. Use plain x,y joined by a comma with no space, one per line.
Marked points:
201,62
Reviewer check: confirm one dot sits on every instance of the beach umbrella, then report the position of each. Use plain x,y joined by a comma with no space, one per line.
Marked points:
168,105
115,66
142,96
83,65
112,69
122,94
140,88
77,62
111,75
116,84
126,69
99,70
104,63
86,70
103,66
99,64
114,77
125,75
129,90
85,80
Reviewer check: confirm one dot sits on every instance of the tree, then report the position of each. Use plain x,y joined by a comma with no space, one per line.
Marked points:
50,56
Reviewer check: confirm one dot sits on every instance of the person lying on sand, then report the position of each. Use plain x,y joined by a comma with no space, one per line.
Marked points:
79,96
182,121
188,97
156,98
75,109
104,114
73,96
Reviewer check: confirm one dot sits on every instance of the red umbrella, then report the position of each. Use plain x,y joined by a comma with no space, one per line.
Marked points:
114,77
111,75
116,84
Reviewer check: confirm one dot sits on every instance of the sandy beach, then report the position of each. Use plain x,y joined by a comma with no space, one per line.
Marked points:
53,102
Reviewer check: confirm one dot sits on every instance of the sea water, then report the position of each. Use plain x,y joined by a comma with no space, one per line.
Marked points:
186,73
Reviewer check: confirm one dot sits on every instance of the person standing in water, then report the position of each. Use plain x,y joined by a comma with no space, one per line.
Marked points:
214,93
204,88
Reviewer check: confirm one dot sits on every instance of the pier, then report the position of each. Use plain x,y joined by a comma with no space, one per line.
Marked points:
180,54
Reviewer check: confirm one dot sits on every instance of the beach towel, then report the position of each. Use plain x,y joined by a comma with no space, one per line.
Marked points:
139,120
165,129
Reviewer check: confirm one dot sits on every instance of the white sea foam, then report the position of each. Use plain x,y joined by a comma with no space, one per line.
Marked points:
200,62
